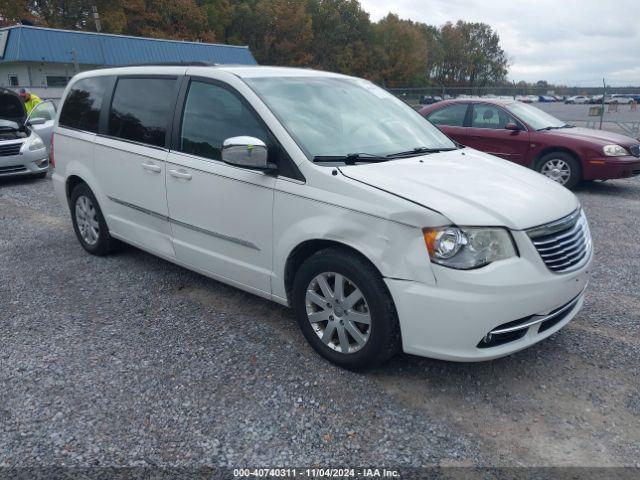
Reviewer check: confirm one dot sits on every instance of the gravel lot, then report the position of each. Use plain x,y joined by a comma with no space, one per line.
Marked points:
131,360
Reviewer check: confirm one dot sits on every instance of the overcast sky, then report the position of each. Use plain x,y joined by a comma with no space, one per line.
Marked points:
575,42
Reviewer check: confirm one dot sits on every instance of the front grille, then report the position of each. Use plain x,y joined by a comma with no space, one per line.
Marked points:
10,149
564,245
13,169
635,150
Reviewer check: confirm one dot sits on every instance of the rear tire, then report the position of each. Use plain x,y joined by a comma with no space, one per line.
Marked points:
88,222
560,167
354,324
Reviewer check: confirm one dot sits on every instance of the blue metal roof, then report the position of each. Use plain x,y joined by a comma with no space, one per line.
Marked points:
36,44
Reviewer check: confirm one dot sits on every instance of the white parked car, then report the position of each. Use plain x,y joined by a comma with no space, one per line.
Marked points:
24,139
620,99
577,99
325,193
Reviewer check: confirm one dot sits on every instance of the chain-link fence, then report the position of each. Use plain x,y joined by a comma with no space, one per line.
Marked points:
622,117
416,95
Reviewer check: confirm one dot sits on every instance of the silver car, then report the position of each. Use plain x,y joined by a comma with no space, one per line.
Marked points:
24,140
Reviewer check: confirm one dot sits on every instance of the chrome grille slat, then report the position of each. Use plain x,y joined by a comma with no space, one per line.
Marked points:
565,253
570,260
568,246
563,247
569,267
565,234
10,149
566,241
577,253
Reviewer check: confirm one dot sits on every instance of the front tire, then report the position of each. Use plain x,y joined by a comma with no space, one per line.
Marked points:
88,222
344,309
561,168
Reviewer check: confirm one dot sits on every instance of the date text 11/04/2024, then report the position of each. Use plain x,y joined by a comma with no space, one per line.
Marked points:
316,472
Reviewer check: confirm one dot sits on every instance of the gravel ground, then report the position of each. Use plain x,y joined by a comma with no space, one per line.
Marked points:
129,360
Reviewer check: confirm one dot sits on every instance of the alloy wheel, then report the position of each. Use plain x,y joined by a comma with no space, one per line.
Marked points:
557,170
338,312
87,220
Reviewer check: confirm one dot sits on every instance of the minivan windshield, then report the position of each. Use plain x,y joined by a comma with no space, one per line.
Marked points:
332,118
536,118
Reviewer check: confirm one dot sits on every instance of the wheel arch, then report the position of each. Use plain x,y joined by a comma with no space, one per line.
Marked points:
72,182
547,150
308,248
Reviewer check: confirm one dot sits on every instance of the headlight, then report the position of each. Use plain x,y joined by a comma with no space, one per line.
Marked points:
614,151
465,248
35,142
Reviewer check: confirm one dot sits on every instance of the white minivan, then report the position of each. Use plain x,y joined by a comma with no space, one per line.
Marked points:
325,193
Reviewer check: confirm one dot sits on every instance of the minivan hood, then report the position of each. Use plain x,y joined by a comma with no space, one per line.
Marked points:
471,188
11,107
602,137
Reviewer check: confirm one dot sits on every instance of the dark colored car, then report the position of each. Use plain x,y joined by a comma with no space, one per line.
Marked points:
429,99
528,136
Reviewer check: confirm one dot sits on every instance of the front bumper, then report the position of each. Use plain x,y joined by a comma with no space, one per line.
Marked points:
450,319
609,168
25,163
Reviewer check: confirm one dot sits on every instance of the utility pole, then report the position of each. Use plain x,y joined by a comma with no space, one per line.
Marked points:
604,93
74,57
96,18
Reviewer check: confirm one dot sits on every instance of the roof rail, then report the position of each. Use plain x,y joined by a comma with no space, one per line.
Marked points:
171,64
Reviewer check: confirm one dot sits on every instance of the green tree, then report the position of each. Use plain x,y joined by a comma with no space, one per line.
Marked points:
68,14
282,33
176,19
219,15
342,35
470,55
13,11
401,51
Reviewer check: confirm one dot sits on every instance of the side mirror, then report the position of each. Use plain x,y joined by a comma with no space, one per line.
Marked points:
246,152
36,121
512,126
41,113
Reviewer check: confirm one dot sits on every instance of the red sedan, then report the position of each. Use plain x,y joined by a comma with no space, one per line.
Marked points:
526,135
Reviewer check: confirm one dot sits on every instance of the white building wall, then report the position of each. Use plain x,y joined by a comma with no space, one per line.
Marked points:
34,76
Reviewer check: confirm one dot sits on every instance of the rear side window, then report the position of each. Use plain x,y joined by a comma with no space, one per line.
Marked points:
81,109
452,115
489,116
211,115
141,109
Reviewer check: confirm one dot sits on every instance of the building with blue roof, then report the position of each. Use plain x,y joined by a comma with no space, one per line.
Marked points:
44,59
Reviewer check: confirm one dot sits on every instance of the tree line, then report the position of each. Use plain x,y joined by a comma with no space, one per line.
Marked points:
335,35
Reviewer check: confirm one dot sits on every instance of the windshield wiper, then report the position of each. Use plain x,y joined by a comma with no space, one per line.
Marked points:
566,125
351,158
418,151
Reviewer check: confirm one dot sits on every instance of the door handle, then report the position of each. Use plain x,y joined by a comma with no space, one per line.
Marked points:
180,174
152,167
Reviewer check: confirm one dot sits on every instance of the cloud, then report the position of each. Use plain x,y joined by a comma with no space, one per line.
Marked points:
574,42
